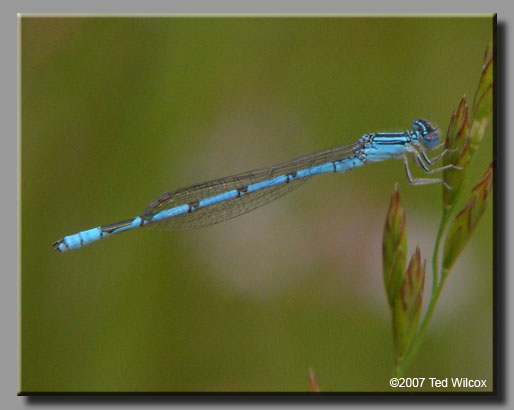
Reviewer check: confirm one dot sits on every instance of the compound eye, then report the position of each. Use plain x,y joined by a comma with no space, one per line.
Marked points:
429,135
431,139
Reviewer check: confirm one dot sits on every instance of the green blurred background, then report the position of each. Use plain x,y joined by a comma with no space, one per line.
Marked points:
118,110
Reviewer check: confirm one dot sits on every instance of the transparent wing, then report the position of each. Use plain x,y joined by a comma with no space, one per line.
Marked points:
231,208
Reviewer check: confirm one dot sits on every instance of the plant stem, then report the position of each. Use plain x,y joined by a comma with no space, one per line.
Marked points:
435,256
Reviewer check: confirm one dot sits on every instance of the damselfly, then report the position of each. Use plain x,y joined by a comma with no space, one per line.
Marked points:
215,201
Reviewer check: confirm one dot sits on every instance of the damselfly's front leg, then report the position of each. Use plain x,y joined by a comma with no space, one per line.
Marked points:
423,161
437,157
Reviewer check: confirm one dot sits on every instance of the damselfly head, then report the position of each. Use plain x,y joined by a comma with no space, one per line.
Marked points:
426,131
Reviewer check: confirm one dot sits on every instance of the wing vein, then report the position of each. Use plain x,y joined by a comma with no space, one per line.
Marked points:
242,204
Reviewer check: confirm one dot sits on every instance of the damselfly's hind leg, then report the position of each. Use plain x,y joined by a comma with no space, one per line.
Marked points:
423,181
